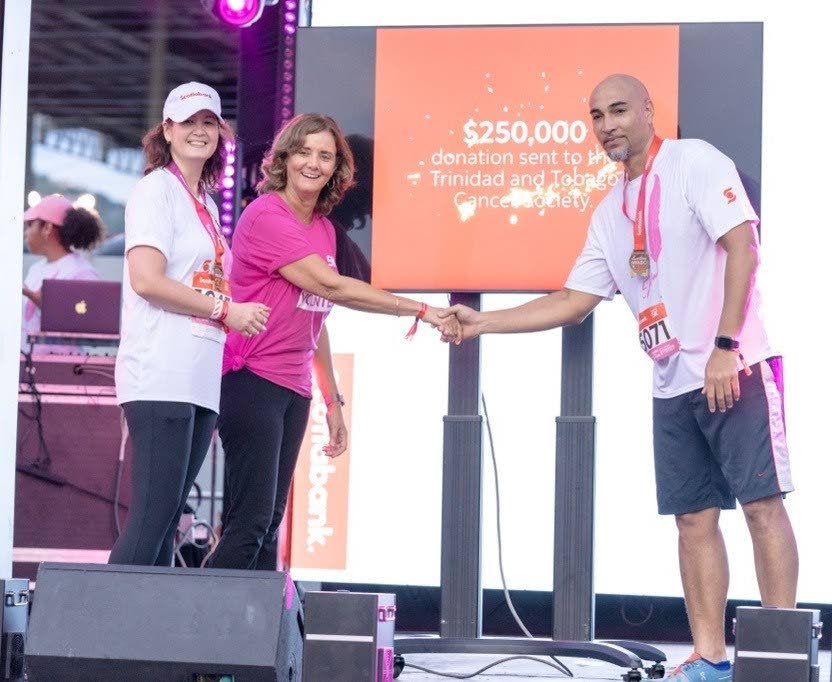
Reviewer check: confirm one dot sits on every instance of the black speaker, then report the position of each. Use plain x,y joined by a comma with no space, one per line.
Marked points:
349,637
774,645
14,616
94,623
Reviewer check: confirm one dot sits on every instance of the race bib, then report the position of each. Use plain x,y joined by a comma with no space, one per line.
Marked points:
206,284
655,335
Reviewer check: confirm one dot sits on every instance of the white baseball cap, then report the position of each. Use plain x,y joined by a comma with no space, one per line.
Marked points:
187,99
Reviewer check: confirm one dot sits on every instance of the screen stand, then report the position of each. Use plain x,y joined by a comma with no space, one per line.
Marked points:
460,629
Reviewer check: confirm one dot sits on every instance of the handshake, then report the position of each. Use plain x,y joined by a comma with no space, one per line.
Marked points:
456,323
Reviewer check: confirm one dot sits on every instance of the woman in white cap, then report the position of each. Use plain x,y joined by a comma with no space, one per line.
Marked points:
175,314
57,231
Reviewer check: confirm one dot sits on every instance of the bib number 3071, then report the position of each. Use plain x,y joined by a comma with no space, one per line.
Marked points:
654,333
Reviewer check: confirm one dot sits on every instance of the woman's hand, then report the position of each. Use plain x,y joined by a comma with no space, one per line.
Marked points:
467,320
338,437
247,318
449,327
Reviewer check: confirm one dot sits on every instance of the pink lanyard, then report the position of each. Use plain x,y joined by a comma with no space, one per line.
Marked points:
208,223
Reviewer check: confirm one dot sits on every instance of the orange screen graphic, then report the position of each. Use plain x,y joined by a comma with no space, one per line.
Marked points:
486,169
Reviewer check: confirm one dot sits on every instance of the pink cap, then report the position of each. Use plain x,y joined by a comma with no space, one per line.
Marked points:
51,209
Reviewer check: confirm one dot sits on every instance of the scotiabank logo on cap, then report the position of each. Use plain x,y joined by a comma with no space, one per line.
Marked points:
195,94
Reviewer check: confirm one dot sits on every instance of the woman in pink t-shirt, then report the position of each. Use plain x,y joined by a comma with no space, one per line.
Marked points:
284,257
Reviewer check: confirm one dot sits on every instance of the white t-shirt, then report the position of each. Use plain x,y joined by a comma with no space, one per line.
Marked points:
694,197
71,266
162,355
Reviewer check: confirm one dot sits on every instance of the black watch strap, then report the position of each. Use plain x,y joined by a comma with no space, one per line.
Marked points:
726,343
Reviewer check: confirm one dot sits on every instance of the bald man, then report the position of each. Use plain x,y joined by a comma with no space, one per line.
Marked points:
677,237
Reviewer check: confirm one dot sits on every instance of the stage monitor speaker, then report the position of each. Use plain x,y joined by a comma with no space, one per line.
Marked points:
93,623
775,645
14,617
349,637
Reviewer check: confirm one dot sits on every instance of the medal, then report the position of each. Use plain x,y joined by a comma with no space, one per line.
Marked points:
216,273
639,263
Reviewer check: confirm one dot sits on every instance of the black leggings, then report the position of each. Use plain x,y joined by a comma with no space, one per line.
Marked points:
170,440
261,426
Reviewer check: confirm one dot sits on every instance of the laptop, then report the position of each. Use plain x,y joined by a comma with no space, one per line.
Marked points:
80,306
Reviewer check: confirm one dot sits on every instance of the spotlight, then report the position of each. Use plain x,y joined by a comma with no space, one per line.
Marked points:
86,201
240,13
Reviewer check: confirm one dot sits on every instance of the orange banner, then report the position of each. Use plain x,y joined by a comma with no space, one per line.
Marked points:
320,489
486,167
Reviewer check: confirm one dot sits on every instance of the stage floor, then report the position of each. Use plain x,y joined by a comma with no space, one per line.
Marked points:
584,670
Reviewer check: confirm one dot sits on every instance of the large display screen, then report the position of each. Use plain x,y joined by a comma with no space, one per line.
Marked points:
486,167
477,166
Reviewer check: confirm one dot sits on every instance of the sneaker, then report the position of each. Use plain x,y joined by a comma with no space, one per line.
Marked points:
696,669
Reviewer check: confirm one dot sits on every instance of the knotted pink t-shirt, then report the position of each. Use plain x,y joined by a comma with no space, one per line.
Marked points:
268,237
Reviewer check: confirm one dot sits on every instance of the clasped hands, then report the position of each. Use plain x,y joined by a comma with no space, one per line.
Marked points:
456,323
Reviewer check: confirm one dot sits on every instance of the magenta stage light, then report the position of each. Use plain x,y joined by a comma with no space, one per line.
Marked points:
240,13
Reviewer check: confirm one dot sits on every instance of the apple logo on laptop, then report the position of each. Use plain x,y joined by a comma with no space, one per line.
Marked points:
81,307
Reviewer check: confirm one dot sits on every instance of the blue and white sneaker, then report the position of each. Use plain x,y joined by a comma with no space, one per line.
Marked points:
697,669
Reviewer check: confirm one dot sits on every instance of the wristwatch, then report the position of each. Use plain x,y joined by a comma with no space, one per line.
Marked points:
726,343
335,398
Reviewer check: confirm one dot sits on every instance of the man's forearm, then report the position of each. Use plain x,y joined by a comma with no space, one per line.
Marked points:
740,271
558,309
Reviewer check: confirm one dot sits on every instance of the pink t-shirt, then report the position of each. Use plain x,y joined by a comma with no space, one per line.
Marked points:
269,236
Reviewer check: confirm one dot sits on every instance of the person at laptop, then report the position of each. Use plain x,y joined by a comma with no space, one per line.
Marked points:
59,232
176,308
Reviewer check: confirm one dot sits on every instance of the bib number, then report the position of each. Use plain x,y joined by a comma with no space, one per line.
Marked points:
655,335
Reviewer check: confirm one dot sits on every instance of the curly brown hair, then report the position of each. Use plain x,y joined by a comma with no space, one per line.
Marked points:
157,152
81,229
289,140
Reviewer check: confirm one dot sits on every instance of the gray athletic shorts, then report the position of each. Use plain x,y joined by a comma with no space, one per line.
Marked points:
712,460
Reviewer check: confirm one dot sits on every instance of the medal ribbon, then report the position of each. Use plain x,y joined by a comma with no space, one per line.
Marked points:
639,233
208,222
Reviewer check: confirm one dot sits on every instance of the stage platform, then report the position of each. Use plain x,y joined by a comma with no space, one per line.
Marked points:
514,671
